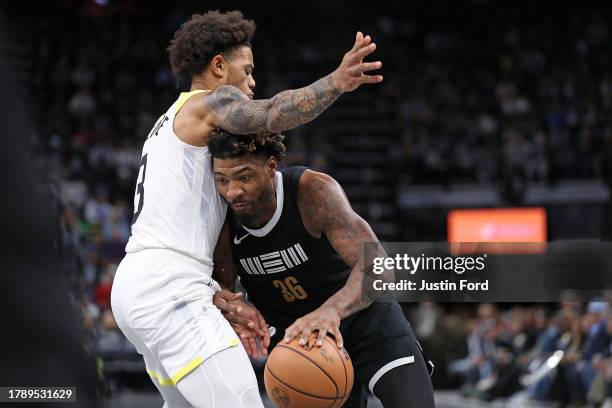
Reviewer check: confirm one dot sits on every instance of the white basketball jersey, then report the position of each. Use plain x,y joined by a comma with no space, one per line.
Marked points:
176,204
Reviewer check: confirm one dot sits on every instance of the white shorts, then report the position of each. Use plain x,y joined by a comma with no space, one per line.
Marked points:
162,301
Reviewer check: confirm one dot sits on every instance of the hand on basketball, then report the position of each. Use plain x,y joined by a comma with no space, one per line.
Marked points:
324,320
351,72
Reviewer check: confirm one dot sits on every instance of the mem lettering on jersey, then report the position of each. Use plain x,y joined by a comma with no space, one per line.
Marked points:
274,262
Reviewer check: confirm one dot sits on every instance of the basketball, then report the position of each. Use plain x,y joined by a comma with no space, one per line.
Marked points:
315,378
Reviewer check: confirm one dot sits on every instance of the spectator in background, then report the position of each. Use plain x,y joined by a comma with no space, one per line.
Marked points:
98,210
103,288
111,343
477,364
579,371
82,104
600,391
552,338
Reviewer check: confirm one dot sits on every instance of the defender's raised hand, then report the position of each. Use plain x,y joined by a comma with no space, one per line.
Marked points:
351,72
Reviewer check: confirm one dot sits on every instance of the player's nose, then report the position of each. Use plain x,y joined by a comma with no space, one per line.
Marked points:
233,191
251,82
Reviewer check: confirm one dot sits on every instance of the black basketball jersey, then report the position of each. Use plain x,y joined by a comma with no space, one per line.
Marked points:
286,272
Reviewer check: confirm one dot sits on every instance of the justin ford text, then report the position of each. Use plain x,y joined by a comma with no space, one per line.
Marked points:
403,263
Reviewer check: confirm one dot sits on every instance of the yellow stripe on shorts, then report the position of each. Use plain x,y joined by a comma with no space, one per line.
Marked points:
186,369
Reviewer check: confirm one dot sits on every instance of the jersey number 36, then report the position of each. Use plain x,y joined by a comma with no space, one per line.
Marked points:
290,289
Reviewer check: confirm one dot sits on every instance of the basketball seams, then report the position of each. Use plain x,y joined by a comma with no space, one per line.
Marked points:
315,364
343,365
300,391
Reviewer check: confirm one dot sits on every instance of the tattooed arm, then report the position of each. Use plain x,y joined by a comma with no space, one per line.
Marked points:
230,109
325,209
324,204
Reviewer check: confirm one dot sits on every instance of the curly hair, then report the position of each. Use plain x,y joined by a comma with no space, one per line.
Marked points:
203,36
225,145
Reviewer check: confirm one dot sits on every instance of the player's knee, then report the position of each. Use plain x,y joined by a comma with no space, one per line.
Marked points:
249,398
406,386
246,392
217,383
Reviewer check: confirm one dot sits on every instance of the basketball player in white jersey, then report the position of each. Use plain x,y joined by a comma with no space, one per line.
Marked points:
163,290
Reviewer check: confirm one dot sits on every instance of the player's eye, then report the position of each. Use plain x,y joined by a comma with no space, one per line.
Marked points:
245,178
221,180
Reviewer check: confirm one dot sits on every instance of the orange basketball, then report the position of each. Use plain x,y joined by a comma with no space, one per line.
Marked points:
321,377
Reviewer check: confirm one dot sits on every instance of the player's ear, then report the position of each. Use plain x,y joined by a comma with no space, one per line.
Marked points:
272,165
218,65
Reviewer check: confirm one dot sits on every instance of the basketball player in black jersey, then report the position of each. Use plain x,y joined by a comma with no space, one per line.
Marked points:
296,244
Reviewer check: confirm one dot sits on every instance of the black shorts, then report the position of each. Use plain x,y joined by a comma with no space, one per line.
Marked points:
377,339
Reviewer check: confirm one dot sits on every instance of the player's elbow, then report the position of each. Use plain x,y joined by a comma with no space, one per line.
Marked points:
275,124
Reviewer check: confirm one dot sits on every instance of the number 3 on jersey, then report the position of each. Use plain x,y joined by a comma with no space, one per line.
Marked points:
139,195
290,289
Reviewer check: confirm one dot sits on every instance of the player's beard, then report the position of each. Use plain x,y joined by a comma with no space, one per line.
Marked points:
261,210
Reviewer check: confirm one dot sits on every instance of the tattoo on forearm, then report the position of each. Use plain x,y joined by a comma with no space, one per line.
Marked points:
286,110
359,294
352,298
296,107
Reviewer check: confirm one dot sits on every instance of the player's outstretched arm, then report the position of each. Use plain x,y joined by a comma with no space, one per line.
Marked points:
230,109
326,209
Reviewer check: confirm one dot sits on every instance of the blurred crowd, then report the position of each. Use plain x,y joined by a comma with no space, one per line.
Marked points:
480,97
502,93
524,353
